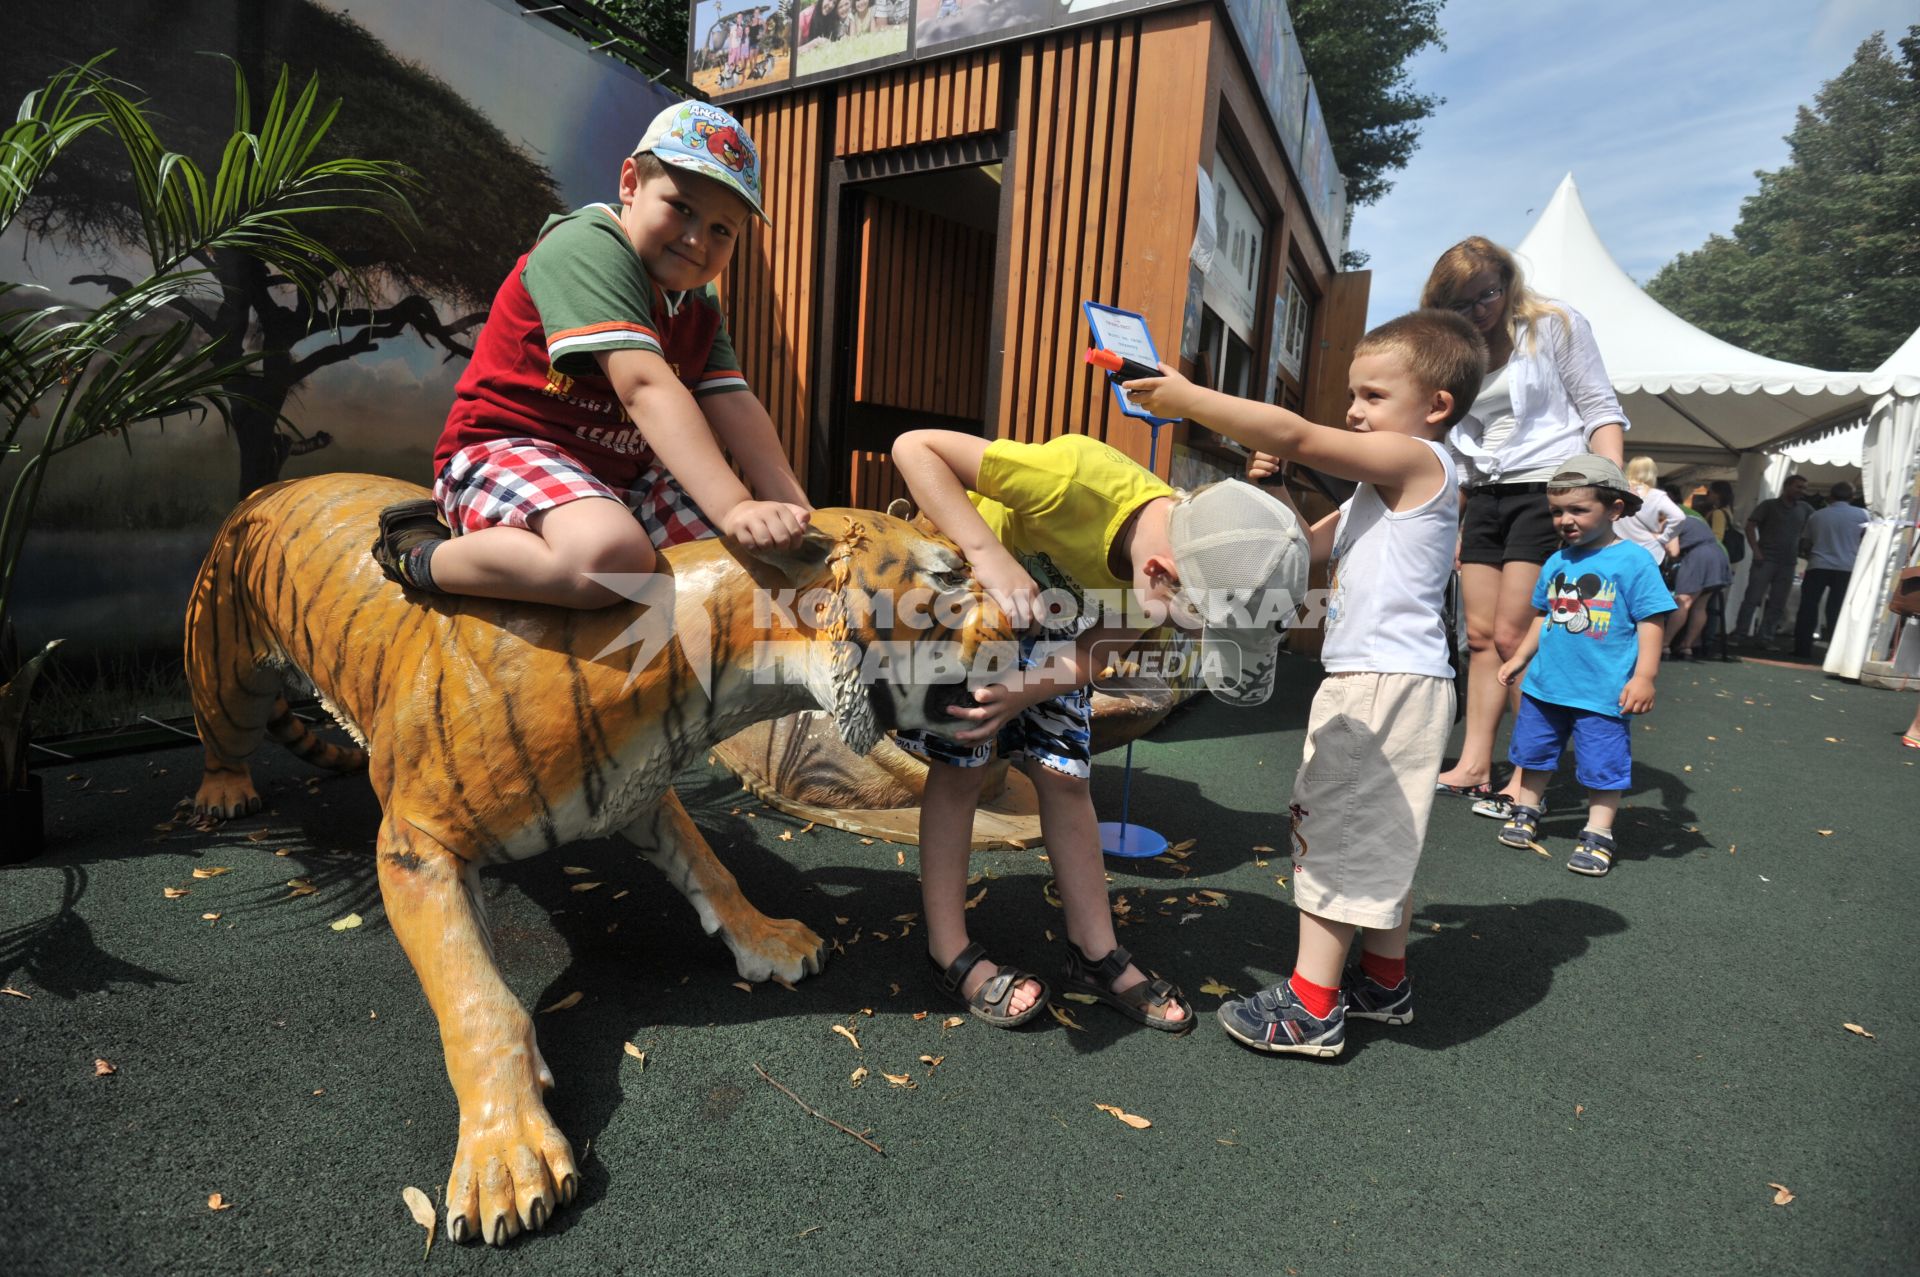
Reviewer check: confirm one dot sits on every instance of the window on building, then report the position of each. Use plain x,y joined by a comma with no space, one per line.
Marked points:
1228,325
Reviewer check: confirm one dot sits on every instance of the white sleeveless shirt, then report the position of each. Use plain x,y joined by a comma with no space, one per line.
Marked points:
1387,582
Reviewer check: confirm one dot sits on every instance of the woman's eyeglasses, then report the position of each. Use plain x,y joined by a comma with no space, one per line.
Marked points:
1484,300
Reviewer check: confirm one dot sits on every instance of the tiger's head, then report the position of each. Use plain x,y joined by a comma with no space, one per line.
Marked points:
884,624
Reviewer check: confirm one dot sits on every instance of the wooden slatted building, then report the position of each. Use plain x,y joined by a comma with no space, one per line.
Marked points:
936,224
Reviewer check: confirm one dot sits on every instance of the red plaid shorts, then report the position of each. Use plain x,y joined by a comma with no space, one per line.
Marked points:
505,482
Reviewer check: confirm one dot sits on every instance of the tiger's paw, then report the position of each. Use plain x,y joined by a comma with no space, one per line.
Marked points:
512,1170
226,792
783,947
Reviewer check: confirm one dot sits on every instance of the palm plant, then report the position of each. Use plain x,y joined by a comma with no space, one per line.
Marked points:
69,374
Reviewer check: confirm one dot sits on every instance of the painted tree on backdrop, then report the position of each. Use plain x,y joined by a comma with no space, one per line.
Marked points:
481,198
1823,267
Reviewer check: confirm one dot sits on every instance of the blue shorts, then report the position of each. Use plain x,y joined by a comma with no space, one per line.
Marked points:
1602,745
1057,733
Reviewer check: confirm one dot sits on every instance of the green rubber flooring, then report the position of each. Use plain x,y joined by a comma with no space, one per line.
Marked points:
1605,1076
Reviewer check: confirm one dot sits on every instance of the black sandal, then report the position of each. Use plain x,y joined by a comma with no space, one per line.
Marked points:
403,526
990,1001
1096,980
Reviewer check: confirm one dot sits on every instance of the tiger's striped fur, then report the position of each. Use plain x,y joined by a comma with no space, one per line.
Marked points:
495,731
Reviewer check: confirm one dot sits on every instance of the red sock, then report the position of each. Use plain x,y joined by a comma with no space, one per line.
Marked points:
1385,972
1318,999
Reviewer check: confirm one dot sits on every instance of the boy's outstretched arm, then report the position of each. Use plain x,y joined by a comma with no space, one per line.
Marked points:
671,422
938,467
1377,457
742,423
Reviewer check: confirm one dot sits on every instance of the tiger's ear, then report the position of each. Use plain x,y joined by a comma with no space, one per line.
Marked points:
802,563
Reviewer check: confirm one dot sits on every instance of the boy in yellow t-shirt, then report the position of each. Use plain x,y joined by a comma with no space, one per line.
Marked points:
1052,531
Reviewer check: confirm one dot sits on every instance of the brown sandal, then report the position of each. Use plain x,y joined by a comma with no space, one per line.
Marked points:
1096,980
990,1001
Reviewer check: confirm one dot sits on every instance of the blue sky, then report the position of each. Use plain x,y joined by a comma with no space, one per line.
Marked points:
1661,109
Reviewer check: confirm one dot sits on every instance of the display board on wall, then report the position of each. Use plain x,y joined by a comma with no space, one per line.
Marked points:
739,50
1266,35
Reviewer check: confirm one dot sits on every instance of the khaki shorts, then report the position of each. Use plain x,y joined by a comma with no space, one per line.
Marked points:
1365,787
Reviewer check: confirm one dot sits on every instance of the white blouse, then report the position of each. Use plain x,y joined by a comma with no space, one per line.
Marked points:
1540,409
1655,523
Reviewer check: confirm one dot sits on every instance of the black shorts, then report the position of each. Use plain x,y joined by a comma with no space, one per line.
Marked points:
1507,526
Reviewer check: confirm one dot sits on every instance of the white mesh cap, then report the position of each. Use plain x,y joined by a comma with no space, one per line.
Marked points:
1242,559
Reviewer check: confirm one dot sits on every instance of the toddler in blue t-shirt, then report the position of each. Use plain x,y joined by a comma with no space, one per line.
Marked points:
1595,650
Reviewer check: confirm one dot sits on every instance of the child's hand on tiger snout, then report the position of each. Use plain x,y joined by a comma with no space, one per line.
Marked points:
994,706
765,525
1009,586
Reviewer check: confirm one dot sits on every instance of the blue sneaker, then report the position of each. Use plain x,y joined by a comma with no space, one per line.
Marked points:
1368,999
1273,1020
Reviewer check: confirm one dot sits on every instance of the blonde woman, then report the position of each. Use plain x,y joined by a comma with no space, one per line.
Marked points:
1655,527
1546,398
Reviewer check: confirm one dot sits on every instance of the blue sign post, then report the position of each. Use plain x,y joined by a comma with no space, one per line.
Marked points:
1125,333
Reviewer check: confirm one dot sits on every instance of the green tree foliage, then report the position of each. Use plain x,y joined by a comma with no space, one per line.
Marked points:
1357,53
663,24
1823,267
480,196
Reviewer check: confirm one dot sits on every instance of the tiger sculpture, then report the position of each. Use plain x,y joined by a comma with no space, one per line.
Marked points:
497,731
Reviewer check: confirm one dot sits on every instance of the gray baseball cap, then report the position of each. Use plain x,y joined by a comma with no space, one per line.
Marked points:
1591,470
1242,560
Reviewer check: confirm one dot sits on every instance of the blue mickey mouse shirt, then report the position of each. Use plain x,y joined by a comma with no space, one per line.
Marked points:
1594,601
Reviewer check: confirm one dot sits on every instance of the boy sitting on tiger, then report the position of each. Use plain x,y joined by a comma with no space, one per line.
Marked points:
605,371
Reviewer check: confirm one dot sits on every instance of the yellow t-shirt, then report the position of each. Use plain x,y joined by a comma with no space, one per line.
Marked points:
1065,499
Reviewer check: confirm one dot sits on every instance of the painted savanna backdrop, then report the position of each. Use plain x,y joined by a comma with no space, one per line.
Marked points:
503,120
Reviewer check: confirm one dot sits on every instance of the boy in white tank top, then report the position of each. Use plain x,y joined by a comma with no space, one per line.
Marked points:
1381,717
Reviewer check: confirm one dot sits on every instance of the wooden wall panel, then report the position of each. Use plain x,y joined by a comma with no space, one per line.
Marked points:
912,105
923,307
769,288
1103,209
873,481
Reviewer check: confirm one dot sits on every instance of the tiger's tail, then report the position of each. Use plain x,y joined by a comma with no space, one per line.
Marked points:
233,667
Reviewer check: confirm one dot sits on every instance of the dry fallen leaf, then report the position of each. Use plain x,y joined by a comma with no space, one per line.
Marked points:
866,842
1066,1019
583,886
900,858
422,1211
901,1079
1783,1195
1084,999
1578,1109
932,1061
101,1068
786,835
1134,1120
637,1054
576,870
847,1033
571,1000
1824,833
209,871
783,982
976,897
743,986
210,917
951,1022
1215,988
347,923
173,893
808,827
299,887
858,1076
1832,740
1854,1028
216,1201
12,992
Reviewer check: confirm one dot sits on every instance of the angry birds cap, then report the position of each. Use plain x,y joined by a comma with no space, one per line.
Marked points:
701,138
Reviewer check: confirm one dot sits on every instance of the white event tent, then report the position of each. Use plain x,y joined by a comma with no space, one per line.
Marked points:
1691,398
1890,452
